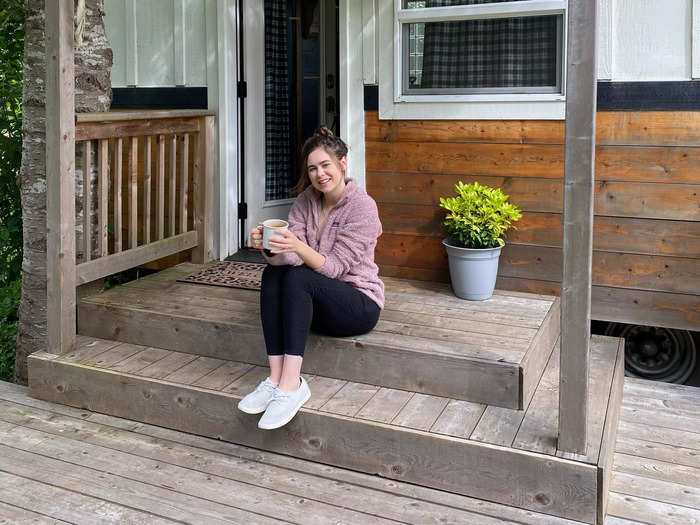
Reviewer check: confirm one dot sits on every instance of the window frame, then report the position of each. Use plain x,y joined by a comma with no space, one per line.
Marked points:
393,103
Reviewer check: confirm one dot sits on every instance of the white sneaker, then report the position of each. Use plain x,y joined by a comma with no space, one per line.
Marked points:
258,399
284,406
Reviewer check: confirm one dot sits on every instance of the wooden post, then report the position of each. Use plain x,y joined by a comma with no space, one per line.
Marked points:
203,191
578,226
60,176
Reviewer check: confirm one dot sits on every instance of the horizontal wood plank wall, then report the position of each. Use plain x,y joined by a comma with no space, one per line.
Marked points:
646,257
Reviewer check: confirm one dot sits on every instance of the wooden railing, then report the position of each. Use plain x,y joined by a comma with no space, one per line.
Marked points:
147,188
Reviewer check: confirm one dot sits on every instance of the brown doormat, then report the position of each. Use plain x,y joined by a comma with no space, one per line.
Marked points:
232,274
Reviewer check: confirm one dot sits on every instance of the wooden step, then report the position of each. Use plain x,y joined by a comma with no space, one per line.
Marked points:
427,340
501,455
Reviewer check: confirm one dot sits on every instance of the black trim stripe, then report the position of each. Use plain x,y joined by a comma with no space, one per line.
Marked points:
620,96
649,96
159,98
372,97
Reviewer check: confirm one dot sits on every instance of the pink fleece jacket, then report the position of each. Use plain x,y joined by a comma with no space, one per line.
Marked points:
347,240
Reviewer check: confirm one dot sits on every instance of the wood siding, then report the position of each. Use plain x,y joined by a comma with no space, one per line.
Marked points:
647,212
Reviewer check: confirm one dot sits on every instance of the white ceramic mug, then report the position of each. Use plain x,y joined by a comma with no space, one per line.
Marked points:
269,226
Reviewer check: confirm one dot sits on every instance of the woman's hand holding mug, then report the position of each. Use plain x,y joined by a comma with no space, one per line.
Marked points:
256,237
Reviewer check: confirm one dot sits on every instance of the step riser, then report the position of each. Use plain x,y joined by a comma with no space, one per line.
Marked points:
612,420
521,479
493,383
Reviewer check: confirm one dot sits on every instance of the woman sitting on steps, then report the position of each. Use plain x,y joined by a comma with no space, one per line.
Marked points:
321,275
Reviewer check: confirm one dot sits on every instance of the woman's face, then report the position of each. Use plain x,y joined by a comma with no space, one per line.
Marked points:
326,173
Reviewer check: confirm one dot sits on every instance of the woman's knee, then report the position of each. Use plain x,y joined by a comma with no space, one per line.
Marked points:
298,279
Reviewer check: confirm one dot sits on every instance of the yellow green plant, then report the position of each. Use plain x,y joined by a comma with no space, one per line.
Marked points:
479,216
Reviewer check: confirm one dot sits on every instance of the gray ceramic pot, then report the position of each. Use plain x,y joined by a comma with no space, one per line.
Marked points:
472,271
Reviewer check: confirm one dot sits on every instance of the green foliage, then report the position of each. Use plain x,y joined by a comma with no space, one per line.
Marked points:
9,299
479,215
11,56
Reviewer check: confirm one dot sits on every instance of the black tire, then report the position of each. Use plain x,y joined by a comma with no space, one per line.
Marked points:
656,353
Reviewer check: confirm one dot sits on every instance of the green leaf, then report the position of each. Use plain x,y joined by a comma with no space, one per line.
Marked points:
479,215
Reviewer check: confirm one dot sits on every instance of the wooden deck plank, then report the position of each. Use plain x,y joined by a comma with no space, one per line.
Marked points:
688,406
541,347
606,453
498,426
322,389
58,504
614,520
168,364
350,399
384,405
89,346
438,289
667,453
650,511
459,341
355,496
203,488
539,428
113,356
391,490
194,370
656,489
660,418
421,412
223,375
498,305
661,469
248,381
602,360
655,434
563,488
459,418
141,360
660,390
397,313
117,477
19,515
437,347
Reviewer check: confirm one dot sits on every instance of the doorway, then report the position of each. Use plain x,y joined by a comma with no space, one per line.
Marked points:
290,67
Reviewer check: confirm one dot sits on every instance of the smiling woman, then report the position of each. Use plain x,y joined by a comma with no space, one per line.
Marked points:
321,275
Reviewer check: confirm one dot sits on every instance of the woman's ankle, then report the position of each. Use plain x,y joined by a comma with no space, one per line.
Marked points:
290,386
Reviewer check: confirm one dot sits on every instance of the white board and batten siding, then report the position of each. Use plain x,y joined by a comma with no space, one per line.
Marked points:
158,43
638,40
189,43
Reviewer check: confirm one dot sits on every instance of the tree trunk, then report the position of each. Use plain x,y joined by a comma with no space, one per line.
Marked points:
93,93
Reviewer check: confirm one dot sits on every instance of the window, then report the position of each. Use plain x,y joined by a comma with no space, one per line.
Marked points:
507,53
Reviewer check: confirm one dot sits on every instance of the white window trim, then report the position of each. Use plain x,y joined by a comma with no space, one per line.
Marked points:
394,105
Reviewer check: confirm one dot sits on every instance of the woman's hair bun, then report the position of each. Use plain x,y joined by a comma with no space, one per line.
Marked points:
323,131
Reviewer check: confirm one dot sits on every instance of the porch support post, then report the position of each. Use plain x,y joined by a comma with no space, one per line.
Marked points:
60,176
578,226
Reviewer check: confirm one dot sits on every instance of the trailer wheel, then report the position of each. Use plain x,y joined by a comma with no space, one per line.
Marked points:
660,354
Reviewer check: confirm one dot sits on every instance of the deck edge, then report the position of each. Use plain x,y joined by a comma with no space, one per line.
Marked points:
542,481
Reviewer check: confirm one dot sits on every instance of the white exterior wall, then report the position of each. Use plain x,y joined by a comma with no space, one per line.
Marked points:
638,40
158,43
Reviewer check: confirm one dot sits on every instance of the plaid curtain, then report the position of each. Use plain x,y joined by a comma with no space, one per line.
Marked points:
277,125
509,52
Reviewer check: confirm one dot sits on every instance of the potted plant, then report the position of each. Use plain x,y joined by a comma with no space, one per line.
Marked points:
476,220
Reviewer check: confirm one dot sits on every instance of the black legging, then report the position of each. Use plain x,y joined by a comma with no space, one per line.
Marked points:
294,299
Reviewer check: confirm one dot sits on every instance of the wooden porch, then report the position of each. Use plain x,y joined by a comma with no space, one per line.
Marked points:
62,464
448,394
471,399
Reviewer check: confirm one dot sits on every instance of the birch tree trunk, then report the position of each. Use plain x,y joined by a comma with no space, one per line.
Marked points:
93,63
